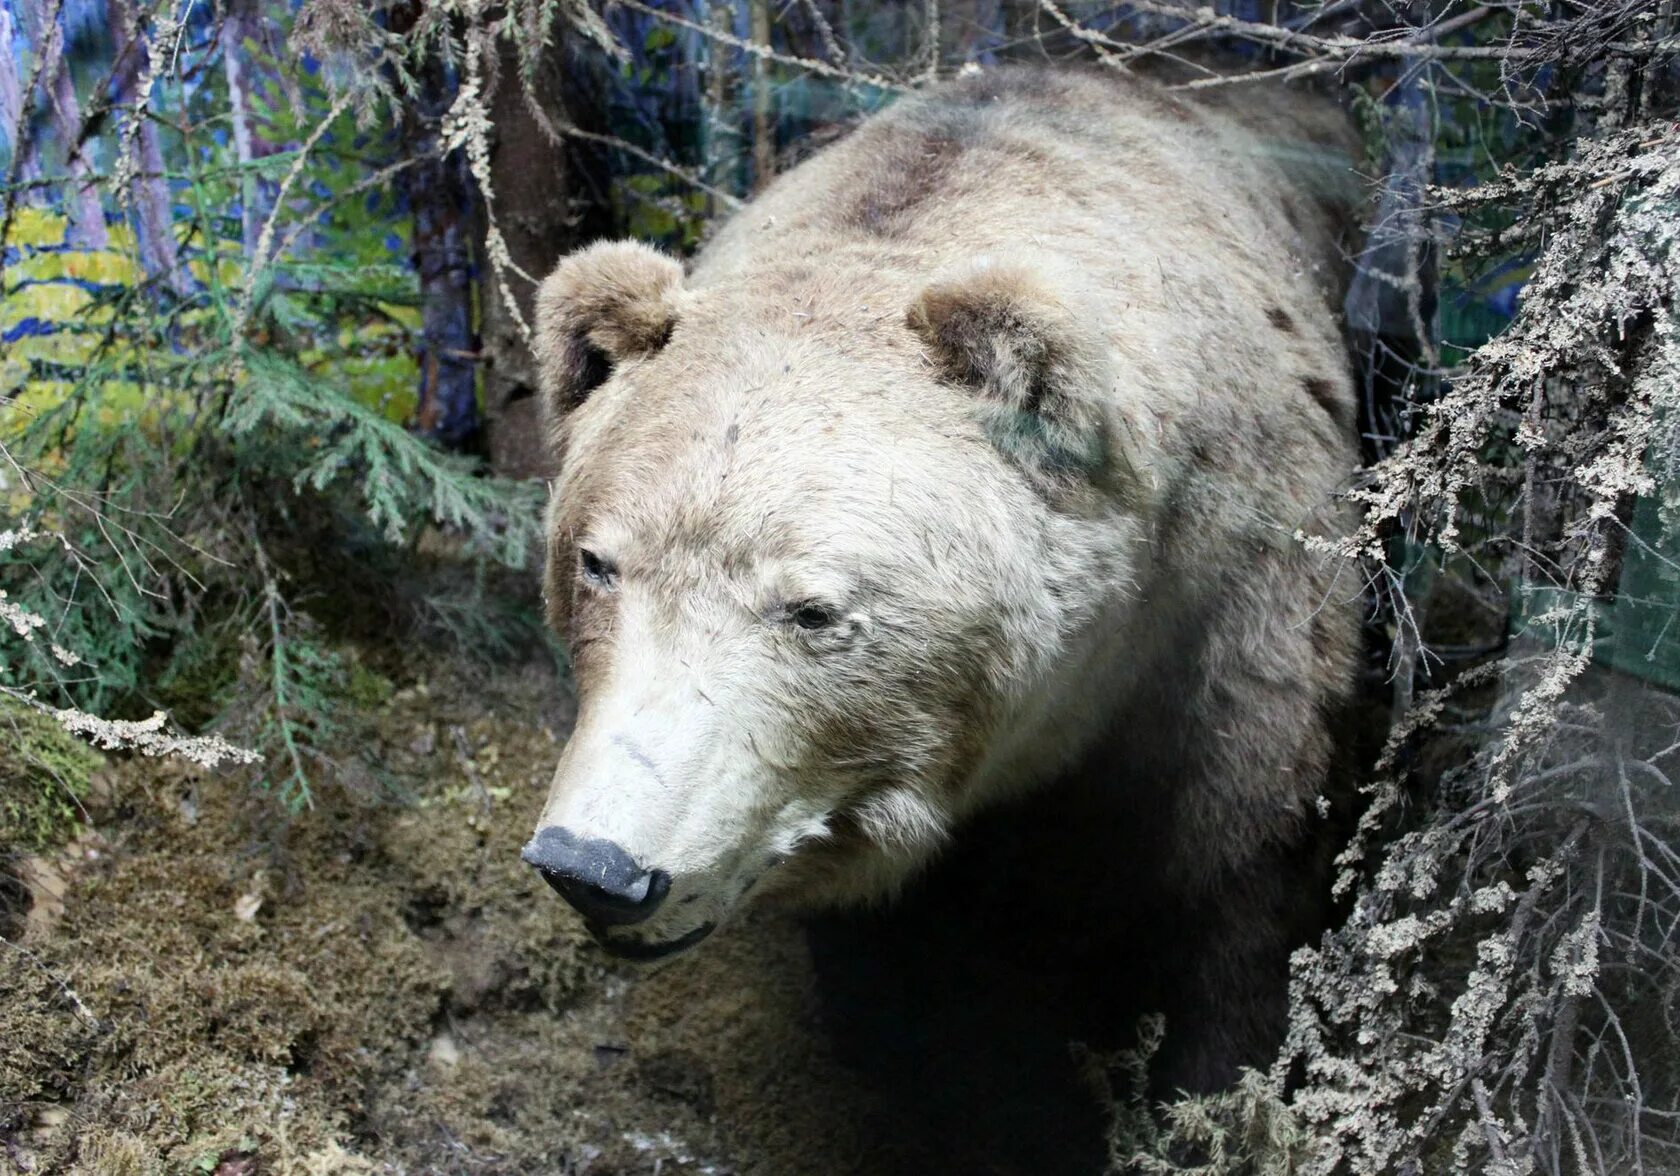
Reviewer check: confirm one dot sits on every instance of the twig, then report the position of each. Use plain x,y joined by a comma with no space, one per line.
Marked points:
765,52
259,257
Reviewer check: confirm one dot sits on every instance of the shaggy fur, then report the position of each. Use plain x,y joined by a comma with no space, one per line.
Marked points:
970,456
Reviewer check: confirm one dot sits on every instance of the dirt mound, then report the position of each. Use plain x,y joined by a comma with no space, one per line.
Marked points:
380,986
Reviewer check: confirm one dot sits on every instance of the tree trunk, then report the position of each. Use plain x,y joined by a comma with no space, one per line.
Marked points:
234,70
440,202
764,130
719,135
87,217
154,215
13,123
534,173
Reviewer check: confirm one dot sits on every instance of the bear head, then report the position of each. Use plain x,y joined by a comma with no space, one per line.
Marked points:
816,552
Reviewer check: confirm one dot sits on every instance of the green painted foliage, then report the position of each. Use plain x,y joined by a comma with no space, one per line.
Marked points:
195,459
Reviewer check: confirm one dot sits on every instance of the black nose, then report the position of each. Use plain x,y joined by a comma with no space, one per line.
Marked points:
596,876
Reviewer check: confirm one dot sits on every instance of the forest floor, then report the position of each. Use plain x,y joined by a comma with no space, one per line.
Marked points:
198,984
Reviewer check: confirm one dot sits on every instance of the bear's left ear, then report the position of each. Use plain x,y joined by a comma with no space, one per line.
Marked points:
1016,336
601,306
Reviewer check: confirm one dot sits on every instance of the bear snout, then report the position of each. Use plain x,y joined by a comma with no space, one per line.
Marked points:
597,877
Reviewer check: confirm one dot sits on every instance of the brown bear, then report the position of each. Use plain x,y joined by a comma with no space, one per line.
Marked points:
978,453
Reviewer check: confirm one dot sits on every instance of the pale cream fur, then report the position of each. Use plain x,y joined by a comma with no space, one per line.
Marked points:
1031,381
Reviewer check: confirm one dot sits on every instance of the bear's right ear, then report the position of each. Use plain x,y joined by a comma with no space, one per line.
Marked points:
1015,334
601,306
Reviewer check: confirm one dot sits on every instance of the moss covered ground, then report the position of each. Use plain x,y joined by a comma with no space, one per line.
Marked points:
193,982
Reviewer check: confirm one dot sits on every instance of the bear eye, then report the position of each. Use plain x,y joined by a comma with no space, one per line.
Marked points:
812,614
597,571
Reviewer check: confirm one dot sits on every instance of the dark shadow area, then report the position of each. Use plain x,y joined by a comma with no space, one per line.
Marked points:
980,1006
